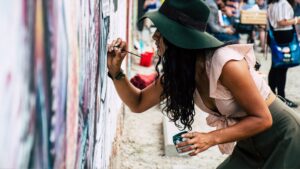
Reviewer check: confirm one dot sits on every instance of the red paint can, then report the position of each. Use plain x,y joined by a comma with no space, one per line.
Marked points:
146,59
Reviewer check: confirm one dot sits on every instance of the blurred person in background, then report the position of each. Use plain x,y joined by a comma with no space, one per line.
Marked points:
261,29
226,32
297,13
281,17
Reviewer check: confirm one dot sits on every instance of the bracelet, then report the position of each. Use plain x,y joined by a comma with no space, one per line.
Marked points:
119,75
109,75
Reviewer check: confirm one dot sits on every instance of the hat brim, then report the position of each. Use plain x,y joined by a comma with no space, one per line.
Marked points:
181,35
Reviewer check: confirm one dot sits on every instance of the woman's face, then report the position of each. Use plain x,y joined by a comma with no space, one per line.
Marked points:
159,42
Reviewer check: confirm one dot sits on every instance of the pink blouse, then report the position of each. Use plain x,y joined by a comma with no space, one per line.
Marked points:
228,108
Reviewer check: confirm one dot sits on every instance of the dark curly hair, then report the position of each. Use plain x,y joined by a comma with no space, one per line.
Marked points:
178,81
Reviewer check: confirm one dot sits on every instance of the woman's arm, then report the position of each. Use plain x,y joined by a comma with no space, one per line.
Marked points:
137,100
236,77
289,22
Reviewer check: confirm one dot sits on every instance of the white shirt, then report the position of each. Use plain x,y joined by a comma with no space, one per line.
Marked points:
278,11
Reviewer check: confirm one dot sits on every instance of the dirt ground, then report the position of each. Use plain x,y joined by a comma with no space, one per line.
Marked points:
142,144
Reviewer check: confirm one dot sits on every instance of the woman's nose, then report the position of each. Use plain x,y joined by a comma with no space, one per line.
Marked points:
155,35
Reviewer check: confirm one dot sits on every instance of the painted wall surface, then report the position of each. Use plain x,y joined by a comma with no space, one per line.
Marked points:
58,109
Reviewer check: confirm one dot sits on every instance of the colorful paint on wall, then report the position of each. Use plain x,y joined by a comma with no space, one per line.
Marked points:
58,109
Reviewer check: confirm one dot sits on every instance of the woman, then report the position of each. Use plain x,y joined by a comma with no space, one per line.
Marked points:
281,18
220,79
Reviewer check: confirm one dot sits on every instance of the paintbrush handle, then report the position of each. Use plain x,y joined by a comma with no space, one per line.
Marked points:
128,52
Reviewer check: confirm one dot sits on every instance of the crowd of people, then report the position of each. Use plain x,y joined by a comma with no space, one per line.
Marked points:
224,21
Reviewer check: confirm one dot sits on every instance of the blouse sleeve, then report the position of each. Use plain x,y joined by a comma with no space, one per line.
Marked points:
218,60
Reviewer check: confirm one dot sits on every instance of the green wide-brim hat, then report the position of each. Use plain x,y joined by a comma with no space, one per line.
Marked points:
183,23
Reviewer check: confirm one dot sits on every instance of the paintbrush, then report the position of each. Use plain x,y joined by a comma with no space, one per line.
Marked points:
128,51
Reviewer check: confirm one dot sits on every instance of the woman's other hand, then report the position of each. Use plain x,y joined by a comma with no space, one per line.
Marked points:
199,142
116,53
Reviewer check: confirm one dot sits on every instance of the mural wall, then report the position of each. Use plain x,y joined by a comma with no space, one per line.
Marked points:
58,109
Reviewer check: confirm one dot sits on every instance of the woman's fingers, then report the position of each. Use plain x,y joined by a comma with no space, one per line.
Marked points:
184,143
116,52
187,148
197,151
111,46
118,42
117,46
190,135
123,47
120,49
195,141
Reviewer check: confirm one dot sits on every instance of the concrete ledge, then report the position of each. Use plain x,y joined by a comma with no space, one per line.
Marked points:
169,130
